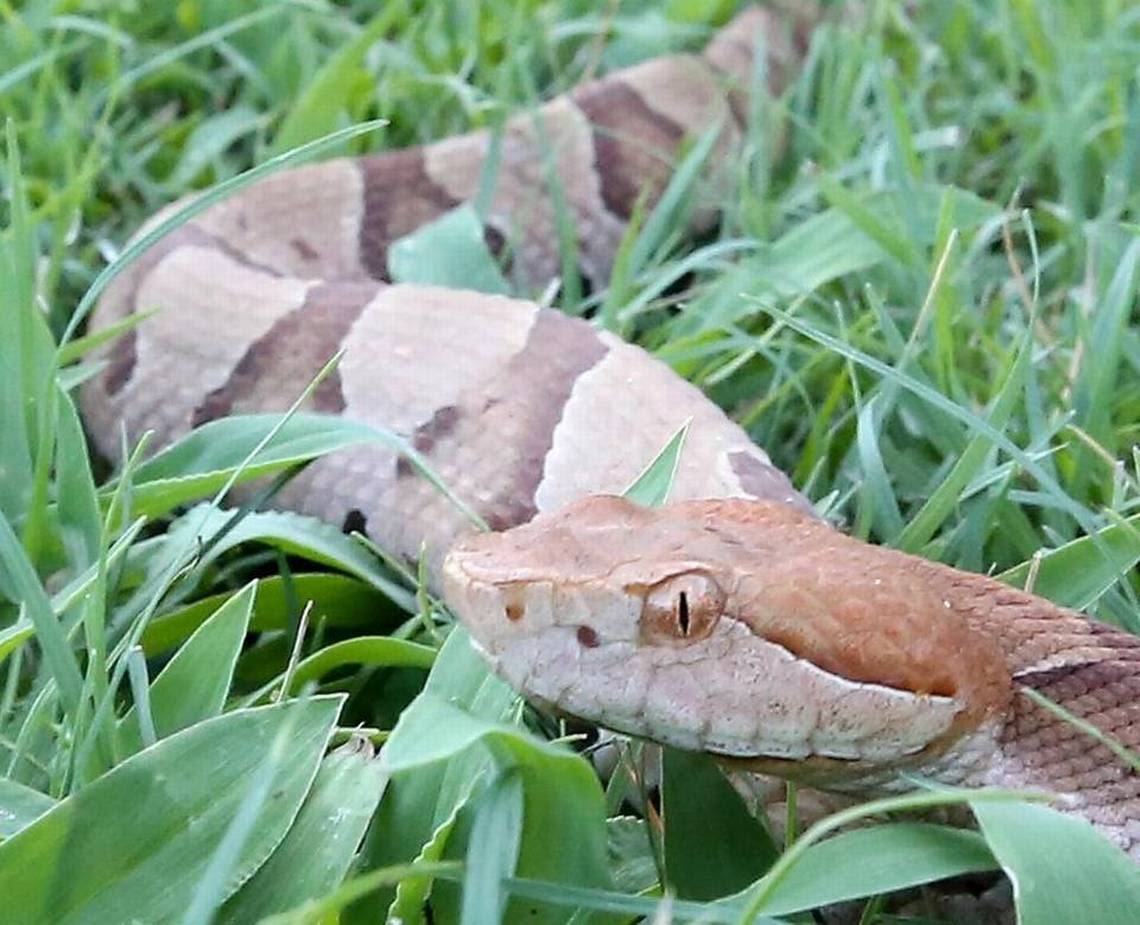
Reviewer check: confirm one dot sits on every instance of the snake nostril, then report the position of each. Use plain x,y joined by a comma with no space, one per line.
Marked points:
588,637
515,611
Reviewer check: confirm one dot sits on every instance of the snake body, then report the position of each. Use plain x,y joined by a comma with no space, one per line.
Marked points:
732,620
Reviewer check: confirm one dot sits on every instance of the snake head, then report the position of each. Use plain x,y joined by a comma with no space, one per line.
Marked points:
743,628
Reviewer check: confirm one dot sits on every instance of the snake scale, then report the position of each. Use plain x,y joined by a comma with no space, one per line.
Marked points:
732,620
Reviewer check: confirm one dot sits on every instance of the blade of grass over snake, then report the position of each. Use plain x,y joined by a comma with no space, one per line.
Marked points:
75,349
179,558
213,455
571,300
450,251
143,243
651,487
667,215
1121,751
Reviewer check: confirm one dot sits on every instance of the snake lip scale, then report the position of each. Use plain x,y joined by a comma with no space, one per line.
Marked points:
732,620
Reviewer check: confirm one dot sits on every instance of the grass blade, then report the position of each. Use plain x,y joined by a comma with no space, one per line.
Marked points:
196,681
71,866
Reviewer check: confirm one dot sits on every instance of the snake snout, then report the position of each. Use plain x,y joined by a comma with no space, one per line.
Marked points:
493,605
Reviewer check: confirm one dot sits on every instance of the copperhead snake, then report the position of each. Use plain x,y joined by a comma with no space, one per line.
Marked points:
732,620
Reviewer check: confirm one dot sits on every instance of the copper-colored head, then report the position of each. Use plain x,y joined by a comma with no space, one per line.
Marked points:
744,628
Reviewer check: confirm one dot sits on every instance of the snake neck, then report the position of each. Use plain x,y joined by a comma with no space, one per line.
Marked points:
1088,669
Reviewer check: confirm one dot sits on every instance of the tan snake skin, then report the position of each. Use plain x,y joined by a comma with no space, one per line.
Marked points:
522,410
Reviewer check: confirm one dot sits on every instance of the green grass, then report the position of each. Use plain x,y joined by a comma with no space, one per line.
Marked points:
923,305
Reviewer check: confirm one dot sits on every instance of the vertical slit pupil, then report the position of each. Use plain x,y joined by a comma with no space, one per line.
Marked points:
683,613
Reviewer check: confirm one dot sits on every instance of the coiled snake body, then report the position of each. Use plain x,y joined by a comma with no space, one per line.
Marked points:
732,620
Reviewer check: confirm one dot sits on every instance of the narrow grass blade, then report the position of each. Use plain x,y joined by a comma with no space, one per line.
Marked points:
876,492
194,684
938,506
18,573
315,111
80,523
1099,372
376,651
496,834
339,600
14,636
295,534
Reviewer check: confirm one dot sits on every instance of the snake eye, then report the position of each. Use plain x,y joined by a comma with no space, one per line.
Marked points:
682,608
